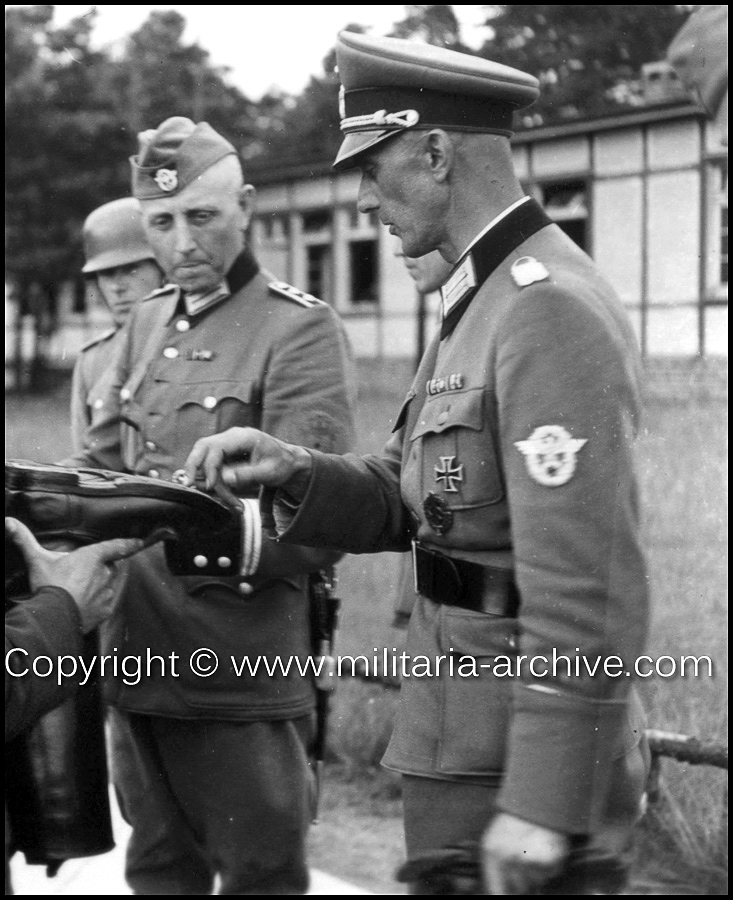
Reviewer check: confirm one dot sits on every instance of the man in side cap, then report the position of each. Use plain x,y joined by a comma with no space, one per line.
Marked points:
510,470
122,263
211,766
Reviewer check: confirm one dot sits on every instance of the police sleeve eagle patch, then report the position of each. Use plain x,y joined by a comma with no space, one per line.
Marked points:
283,289
550,454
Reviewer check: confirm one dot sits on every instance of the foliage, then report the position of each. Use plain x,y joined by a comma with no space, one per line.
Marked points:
304,129
433,24
59,139
71,118
587,58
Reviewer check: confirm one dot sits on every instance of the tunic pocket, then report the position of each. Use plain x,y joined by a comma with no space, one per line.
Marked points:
458,454
206,408
476,705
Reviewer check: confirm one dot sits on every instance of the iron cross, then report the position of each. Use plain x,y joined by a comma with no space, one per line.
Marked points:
449,473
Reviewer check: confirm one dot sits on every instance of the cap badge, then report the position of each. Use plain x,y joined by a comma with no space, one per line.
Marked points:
550,454
450,473
166,179
438,513
528,270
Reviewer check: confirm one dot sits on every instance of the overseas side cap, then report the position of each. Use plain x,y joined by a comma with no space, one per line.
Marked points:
390,85
173,155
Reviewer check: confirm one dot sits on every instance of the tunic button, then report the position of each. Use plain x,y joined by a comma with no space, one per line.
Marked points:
183,325
125,394
98,404
209,402
151,445
154,473
224,562
170,353
245,588
200,561
442,418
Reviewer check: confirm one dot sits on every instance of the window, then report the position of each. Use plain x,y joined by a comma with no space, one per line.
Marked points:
723,275
319,271
317,220
275,227
363,269
565,203
717,218
79,298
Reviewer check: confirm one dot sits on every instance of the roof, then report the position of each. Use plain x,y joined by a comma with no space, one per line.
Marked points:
269,171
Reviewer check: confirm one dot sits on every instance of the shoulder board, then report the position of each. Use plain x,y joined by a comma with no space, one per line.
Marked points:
99,339
164,291
283,289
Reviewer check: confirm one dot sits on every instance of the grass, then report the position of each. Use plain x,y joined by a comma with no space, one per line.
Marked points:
683,467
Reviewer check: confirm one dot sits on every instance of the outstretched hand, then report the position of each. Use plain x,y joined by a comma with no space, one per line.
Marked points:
88,574
240,459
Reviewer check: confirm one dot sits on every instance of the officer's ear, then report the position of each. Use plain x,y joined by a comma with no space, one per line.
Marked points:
441,153
246,199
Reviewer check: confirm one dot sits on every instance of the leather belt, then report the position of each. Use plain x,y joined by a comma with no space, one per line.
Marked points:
456,582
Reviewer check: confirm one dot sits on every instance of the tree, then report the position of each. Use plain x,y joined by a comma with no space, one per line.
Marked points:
587,58
304,129
72,116
59,140
433,24
161,76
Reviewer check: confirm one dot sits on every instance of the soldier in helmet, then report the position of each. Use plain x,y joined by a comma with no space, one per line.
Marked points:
121,261
211,767
510,470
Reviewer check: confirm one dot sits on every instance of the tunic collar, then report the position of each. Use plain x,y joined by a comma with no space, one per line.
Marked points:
485,253
243,270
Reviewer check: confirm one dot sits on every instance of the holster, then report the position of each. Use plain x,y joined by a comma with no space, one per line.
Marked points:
203,534
56,772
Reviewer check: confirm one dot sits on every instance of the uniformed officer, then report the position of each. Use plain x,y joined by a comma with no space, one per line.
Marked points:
511,469
121,261
211,765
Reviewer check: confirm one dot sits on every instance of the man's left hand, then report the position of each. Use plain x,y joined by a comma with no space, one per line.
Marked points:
518,857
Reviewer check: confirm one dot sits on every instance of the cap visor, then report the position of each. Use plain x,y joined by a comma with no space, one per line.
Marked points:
355,144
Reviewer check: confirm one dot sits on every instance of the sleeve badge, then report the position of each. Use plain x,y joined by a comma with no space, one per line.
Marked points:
550,454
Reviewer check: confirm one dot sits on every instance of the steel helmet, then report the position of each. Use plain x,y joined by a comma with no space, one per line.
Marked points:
114,236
